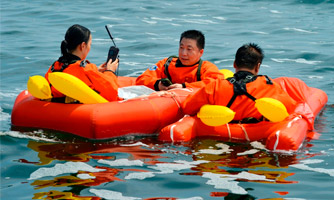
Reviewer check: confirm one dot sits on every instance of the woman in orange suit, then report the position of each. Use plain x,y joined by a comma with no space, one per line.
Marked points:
74,49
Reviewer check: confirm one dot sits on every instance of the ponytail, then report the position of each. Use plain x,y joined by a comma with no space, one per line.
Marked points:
63,47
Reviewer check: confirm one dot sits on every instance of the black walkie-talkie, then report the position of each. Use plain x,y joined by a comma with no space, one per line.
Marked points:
113,50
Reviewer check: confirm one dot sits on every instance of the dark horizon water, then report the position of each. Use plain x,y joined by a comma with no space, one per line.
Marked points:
296,36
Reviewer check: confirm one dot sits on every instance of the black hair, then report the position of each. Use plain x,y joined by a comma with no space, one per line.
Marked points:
74,36
248,56
195,35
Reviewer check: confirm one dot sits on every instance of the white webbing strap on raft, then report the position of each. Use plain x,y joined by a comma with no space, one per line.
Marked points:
277,140
172,132
245,132
229,131
289,125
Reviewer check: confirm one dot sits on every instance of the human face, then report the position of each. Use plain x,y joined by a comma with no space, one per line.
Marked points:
189,53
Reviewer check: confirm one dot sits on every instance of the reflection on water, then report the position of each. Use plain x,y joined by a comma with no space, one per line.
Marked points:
69,170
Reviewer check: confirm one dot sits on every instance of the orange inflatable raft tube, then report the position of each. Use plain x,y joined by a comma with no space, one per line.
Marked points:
288,134
146,115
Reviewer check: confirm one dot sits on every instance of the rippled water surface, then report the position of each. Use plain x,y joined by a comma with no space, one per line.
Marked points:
297,37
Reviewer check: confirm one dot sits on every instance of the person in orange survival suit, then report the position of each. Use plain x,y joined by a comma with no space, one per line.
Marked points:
187,70
240,91
74,50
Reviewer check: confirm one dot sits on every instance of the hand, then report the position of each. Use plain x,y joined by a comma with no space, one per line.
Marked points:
112,66
176,85
162,87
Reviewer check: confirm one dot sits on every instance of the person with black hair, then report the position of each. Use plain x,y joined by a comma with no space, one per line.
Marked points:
240,91
74,49
187,70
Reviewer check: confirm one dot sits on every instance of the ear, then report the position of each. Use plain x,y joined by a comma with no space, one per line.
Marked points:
201,52
82,45
234,65
257,68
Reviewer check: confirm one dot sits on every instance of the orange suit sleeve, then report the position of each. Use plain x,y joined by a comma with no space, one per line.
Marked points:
195,101
152,74
104,83
209,72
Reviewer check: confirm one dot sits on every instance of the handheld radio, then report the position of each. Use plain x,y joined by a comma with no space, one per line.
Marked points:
113,50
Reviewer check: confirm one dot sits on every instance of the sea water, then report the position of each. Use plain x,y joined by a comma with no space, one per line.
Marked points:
297,37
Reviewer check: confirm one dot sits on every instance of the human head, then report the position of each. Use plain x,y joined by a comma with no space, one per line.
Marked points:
191,47
249,57
75,35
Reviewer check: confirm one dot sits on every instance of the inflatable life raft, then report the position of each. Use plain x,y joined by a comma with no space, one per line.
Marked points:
146,115
288,134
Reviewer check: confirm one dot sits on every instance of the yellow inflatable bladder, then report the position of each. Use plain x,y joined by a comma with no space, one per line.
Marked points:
215,115
272,109
227,73
75,88
39,87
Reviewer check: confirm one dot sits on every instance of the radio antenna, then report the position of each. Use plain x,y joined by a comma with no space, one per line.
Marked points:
112,39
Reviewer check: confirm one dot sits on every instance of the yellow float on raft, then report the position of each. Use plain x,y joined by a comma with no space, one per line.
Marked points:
215,115
272,109
227,73
75,88
39,87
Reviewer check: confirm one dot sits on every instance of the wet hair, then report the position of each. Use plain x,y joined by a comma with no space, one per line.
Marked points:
195,35
74,36
248,56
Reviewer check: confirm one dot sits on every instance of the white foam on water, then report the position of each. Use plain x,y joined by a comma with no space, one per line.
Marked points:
275,12
164,168
220,18
135,144
248,176
224,149
304,166
192,198
258,145
143,55
315,77
121,162
4,116
223,183
224,60
111,19
66,168
149,21
139,175
167,168
108,194
249,152
31,136
136,64
162,19
85,176
9,94
298,60
298,30
227,181
260,32
199,21
212,151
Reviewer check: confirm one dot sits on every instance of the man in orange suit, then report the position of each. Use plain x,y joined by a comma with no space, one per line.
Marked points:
186,70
